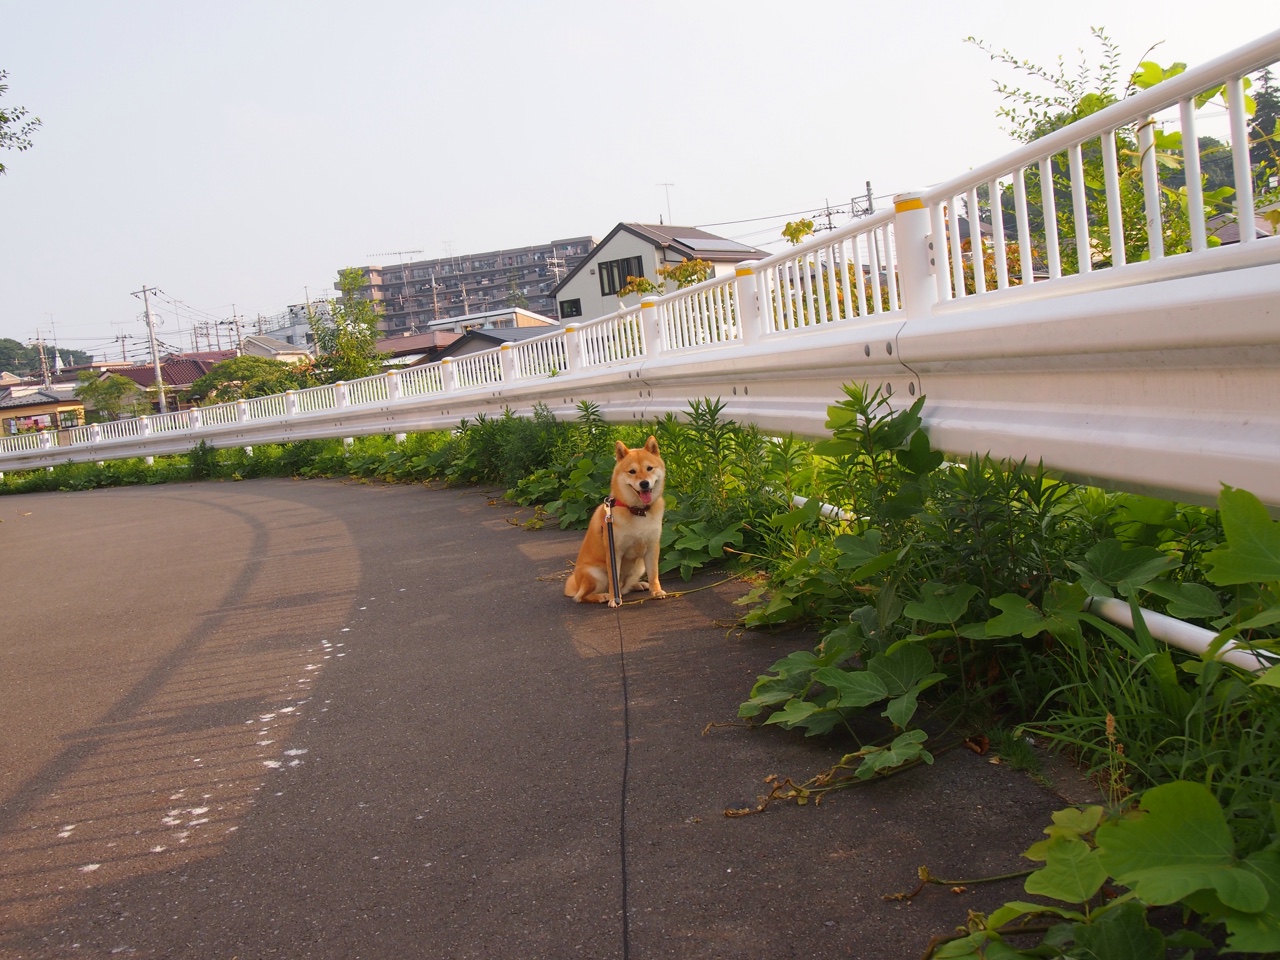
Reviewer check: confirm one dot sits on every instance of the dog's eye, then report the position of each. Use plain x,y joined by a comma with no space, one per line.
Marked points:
632,470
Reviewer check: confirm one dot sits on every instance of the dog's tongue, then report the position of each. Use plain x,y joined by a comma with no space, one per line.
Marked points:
646,496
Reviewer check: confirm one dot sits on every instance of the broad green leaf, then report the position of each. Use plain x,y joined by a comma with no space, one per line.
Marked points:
876,566
855,550
901,709
794,712
1120,934
1071,871
1019,617
1187,601
854,688
1252,553
1269,679
1110,563
1253,931
1014,909
841,643
902,669
918,458
965,948
1079,820
1179,845
797,516
906,747
941,603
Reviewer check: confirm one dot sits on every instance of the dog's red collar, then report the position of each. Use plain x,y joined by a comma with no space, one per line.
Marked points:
638,511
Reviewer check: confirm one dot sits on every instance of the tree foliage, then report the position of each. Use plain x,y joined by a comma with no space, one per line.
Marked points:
110,396
348,339
240,378
686,273
25,361
15,126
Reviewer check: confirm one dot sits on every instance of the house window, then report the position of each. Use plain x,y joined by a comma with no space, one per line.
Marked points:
570,308
614,274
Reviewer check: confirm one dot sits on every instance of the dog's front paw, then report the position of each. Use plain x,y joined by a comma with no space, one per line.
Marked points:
613,603
659,593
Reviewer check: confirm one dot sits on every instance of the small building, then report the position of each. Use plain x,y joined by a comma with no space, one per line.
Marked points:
478,340
414,348
262,345
177,375
637,250
505,319
38,410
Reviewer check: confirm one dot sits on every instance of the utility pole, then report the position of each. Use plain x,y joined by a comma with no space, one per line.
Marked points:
235,320
44,361
155,352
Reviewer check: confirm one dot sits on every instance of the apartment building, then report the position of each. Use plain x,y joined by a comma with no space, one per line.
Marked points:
414,295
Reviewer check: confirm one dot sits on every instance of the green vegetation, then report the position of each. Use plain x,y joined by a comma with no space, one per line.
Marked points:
348,344
946,599
240,378
25,361
15,126
109,396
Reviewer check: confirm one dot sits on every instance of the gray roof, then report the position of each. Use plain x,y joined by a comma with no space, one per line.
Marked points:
37,399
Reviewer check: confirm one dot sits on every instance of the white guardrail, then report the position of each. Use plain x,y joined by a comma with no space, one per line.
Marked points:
1160,375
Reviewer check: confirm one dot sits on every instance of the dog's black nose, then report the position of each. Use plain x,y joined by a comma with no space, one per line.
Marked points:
644,484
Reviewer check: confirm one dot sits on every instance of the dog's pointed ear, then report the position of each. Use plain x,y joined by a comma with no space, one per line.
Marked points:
651,444
620,451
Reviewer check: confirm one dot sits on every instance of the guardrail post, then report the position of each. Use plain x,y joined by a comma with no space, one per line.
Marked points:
747,302
448,376
652,327
45,440
507,363
95,433
918,255
573,349
393,385
242,411
340,395
195,418
290,403
146,426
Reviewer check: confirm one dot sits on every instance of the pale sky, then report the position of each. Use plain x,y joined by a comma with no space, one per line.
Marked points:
243,152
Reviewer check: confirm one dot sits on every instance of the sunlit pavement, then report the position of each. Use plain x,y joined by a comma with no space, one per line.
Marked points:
333,719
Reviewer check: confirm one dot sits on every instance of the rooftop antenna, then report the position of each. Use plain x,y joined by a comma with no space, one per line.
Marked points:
667,187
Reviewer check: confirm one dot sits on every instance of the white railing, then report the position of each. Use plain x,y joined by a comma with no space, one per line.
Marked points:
477,369
1160,374
611,339
545,356
702,315
851,272
421,381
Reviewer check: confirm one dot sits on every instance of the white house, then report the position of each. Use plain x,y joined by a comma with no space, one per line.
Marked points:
638,250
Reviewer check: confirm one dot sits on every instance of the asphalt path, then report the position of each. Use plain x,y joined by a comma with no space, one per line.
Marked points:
326,719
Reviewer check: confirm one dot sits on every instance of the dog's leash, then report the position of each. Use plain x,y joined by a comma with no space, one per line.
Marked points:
613,555
626,727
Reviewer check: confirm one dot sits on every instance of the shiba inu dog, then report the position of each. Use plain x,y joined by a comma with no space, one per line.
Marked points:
636,502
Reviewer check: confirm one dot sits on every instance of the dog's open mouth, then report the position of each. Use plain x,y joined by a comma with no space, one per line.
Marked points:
646,496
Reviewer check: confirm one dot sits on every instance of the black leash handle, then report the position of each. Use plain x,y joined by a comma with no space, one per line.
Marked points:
613,555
